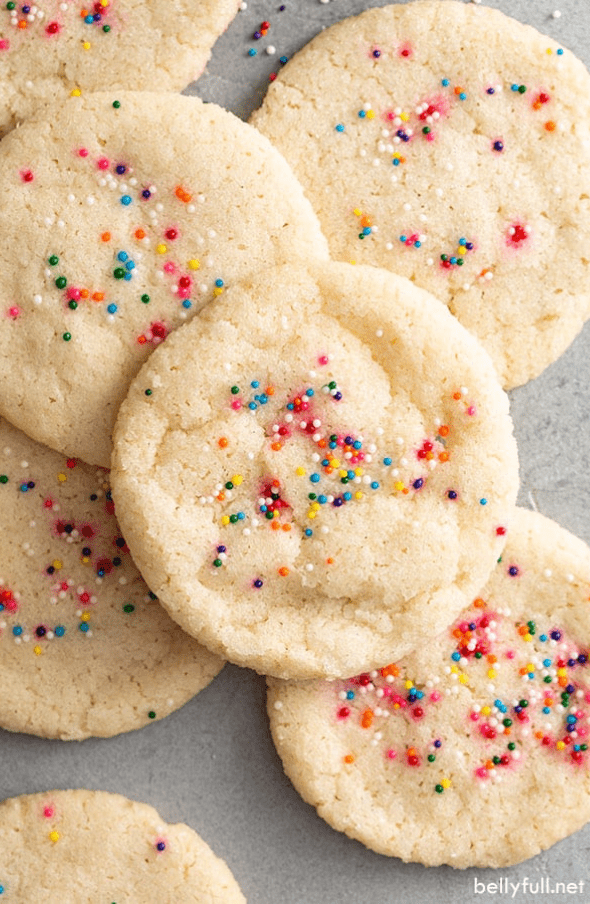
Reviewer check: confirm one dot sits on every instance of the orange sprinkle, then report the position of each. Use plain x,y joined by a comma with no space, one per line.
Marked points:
276,447
142,340
550,126
458,90
286,527
489,764
84,13
523,629
367,718
523,671
562,681
183,195
457,633
329,470
539,734
365,221
220,497
405,491
322,443
507,730
270,390
491,658
275,525
222,442
98,296
140,234
349,758
443,430
106,236
22,23
283,572
330,561
390,670
457,396
537,105
429,456
411,751
444,456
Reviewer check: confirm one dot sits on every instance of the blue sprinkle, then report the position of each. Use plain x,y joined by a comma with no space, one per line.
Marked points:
112,309
252,52
241,516
128,276
84,627
445,83
24,487
351,475
531,675
546,710
322,499
456,656
315,478
374,485
263,399
357,444
332,445
453,260
122,256
571,719
219,283
483,501
309,393
17,631
396,161
462,96
187,303
340,127
347,497
126,200
89,20
263,508
326,461
403,238
362,114
560,52
255,384
130,265
283,60
59,631
417,244
514,87
350,695
367,230
1,607
308,532
462,241
546,662
252,406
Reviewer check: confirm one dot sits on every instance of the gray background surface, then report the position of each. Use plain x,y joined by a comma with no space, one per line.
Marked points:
212,764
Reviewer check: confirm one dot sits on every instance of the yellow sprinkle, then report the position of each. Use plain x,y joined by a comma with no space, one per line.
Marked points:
549,51
528,637
225,519
315,507
85,560
237,479
404,117
75,92
300,472
334,463
85,616
311,514
370,114
454,669
358,472
561,673
342,473
492,673
57,564
62,478
560,745
218,290
485,710
358,495
357,212
54,836
86,45
161,248
194,264
352,261
398,485
463,679
446,782
37,650
409,684
460,252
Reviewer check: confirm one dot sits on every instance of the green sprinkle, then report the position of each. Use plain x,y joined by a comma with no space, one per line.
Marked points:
116,105
53,260
478,655
439,789
521,89
547,679
128,607
119,273
66,337
145,299
106,29
431,758
151,714
512,746
229,485
61,282
496,760
233,518
218,563
235,390
10,5
148,392
426,130
73,305
3,478
507,723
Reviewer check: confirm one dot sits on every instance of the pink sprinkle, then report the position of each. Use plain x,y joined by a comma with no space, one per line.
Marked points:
236,404
13,312
74,294
4,45
391,754
471,411
48,812
481,772
103,163
83,152
323,360
435,696
430,136
474,717
510,654
169,267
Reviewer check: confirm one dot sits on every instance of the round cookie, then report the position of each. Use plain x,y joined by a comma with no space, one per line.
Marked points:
317,468
85,648
450,144
122,215
54,48
79,847
474,750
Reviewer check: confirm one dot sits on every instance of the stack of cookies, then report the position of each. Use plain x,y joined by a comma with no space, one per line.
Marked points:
290,342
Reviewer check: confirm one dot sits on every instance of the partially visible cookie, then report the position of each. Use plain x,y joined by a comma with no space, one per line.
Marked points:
450,144
317,470
85,647
53,49
474,750
81,847
122,215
